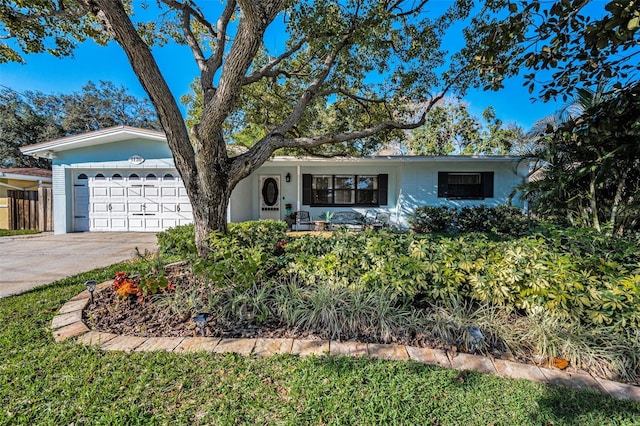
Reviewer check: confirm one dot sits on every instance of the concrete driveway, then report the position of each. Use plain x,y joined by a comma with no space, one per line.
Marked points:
28,261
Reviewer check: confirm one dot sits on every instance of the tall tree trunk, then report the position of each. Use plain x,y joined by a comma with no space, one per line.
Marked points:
209,214
616,203
210,189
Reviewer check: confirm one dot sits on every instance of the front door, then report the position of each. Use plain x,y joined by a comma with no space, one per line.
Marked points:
270,197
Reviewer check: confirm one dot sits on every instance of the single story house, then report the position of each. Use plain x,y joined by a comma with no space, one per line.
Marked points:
124,179
27,183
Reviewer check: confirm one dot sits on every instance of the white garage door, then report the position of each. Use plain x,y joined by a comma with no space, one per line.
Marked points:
140,202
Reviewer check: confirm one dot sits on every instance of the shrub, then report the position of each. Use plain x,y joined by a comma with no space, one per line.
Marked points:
475,219
258,233
503,220
178,241
510,220
431,219
384,284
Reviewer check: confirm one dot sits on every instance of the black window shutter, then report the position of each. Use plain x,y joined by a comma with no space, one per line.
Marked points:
383,189
443,184
487,184
306,189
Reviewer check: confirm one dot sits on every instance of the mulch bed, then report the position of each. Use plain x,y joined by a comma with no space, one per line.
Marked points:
110,313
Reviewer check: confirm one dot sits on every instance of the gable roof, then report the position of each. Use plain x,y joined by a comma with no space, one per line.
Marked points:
98,137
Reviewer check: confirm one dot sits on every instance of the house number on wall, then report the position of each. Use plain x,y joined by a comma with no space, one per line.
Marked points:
136,159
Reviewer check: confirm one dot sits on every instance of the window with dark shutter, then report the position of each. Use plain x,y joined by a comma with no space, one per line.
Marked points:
344,190
465,185
306,189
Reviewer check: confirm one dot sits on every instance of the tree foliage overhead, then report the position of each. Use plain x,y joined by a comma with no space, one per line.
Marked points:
451,129
34,117
567,44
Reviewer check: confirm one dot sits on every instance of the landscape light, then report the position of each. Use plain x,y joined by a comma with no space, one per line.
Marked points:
91,287
476,337
201,321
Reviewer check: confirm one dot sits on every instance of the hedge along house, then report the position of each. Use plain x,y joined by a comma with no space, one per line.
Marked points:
124,179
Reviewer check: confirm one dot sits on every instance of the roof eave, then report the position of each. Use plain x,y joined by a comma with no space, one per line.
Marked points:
98,137
25,177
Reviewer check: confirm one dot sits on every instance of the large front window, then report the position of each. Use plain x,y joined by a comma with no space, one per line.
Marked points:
344,190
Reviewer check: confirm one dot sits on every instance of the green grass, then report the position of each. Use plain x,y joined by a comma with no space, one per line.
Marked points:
43,382
8,232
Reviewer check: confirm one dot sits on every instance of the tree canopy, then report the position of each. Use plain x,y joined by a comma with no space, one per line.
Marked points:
34,117
567,44
451,129
348,72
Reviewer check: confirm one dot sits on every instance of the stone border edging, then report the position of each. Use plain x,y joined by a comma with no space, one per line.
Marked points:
68,324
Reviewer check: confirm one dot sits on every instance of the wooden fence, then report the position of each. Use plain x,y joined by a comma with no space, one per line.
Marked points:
31,209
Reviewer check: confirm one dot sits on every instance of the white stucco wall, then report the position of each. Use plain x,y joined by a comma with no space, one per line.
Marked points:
419,184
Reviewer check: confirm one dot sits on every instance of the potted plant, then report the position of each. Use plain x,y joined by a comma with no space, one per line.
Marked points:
327,216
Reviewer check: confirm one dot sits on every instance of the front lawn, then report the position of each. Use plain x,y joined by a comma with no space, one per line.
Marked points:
42,382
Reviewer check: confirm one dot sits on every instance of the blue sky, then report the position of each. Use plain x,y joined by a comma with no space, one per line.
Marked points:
94,63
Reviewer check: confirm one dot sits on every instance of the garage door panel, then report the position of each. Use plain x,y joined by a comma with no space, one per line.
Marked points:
134,191
118,191
100,208
100,192
135,207
151,191
146,203
152,224
119,224
100,224
185,207
118,207
169,191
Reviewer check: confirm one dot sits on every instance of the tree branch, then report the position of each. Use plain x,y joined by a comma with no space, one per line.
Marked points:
254,21
117,22
215,61
311,91
191,11
267,70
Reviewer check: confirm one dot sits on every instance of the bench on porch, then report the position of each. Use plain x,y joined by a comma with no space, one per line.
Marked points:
347,219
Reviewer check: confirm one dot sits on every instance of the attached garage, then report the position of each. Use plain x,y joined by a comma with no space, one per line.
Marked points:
116,179
128,201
